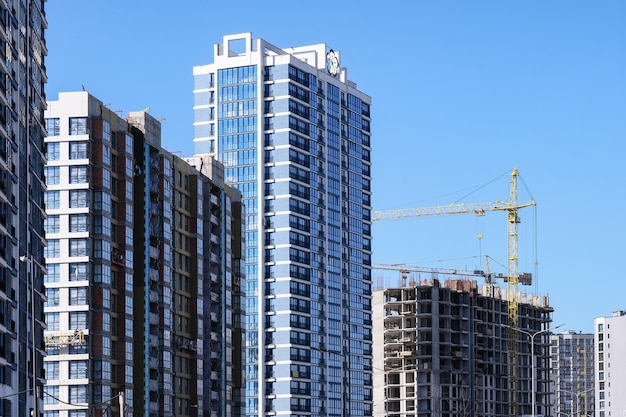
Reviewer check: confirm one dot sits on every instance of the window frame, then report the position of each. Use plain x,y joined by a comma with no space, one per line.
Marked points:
52,369
79,150
79,199
53,320
52,175
53,296
79,247
53,126
53,151
53,273
78,270
79,174
78,394
78,126
52,223
78,369
79,223
52,395
52,199
53,248
78,296
78,320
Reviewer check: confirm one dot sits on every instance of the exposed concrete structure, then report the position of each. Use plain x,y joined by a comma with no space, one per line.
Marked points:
441,349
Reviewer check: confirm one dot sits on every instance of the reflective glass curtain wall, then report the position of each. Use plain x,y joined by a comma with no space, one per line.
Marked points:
237,93
296,142
22,191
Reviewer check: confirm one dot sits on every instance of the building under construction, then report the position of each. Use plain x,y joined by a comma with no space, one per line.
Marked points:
442,349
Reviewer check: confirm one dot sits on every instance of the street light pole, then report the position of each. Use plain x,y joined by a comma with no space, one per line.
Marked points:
533,367
29,261
575,407
576,397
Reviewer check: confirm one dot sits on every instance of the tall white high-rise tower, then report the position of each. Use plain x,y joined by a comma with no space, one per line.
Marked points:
294,135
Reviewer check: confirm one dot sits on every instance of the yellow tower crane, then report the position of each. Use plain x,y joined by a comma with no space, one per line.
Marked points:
513,277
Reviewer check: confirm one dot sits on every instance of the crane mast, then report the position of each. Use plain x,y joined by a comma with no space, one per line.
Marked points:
513,295
513,277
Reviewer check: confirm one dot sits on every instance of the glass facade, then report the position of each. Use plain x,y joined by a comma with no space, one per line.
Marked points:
22,211
296,142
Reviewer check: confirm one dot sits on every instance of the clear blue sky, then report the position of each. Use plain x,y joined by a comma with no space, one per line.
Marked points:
462,93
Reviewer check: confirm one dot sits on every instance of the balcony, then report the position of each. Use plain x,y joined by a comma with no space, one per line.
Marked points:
117,257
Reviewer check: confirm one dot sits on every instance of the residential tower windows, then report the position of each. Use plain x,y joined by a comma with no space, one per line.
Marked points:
78,126
78,150
53,126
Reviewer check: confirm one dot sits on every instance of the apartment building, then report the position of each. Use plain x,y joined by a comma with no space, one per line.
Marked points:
441,348
610,364
130,234
572,373
293,133
223,331
22,187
